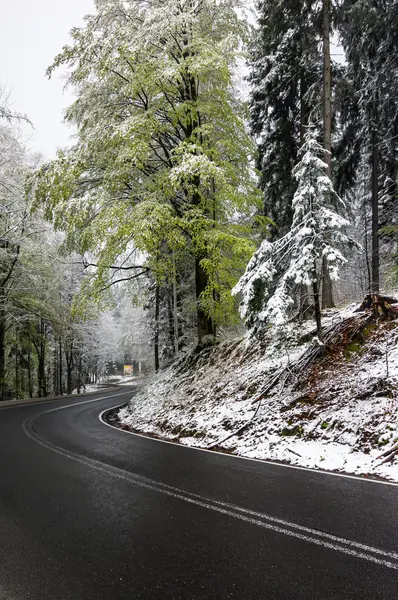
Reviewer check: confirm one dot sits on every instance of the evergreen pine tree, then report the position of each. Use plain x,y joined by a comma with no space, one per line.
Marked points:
368,32
286,75
316,236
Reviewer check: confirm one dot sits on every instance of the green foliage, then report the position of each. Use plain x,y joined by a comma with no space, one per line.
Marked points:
297,430
355,348
163,161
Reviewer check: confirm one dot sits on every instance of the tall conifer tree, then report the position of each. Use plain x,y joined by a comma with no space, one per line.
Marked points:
368,31
286,75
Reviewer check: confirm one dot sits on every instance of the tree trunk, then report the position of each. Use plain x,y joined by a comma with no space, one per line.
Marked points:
205,323
29,368
69,388
303,108
317,308
2,348
189,89
17,369
55,371
375,214
41,371
156,338
170,316
16,372
175,307
61,386
69,368
304,305
327,290
327,88
79,375
366,244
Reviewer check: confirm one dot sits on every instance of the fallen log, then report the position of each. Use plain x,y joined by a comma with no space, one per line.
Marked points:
389,455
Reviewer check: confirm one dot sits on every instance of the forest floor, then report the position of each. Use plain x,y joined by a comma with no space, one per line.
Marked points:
340,413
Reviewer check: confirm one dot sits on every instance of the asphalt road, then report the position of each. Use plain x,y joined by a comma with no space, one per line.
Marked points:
90,512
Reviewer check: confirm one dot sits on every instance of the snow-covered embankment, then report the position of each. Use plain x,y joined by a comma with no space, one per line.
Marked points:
342,414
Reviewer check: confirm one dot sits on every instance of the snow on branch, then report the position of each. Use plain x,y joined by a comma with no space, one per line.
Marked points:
317,232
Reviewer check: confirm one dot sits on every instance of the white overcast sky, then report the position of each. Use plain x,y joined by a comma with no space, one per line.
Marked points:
32,32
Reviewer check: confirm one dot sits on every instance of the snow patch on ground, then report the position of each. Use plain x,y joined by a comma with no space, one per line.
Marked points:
342,417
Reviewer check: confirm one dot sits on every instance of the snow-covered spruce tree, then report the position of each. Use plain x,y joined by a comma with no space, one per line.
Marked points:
163,158
317,233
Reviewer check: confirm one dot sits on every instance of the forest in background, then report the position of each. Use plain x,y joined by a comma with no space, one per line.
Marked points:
179,188
45,348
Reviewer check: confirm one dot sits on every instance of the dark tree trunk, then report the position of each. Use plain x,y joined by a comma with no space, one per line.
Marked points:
366,243
156,337
69,388
206,328
3,329
79,375
327,290
303,108
2,349
205,323
170,318
175,306
55,371
69,368
375,215
29,369
317,308
41,371
317,305
61,385
304,305
17,371
327,88
189,89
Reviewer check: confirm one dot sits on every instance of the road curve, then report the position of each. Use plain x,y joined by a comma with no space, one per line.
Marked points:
90,512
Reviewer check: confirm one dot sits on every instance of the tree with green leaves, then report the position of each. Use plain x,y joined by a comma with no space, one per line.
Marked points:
163,159
14,213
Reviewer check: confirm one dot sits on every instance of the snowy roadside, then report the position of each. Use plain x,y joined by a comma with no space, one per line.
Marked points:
112,380
342,417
